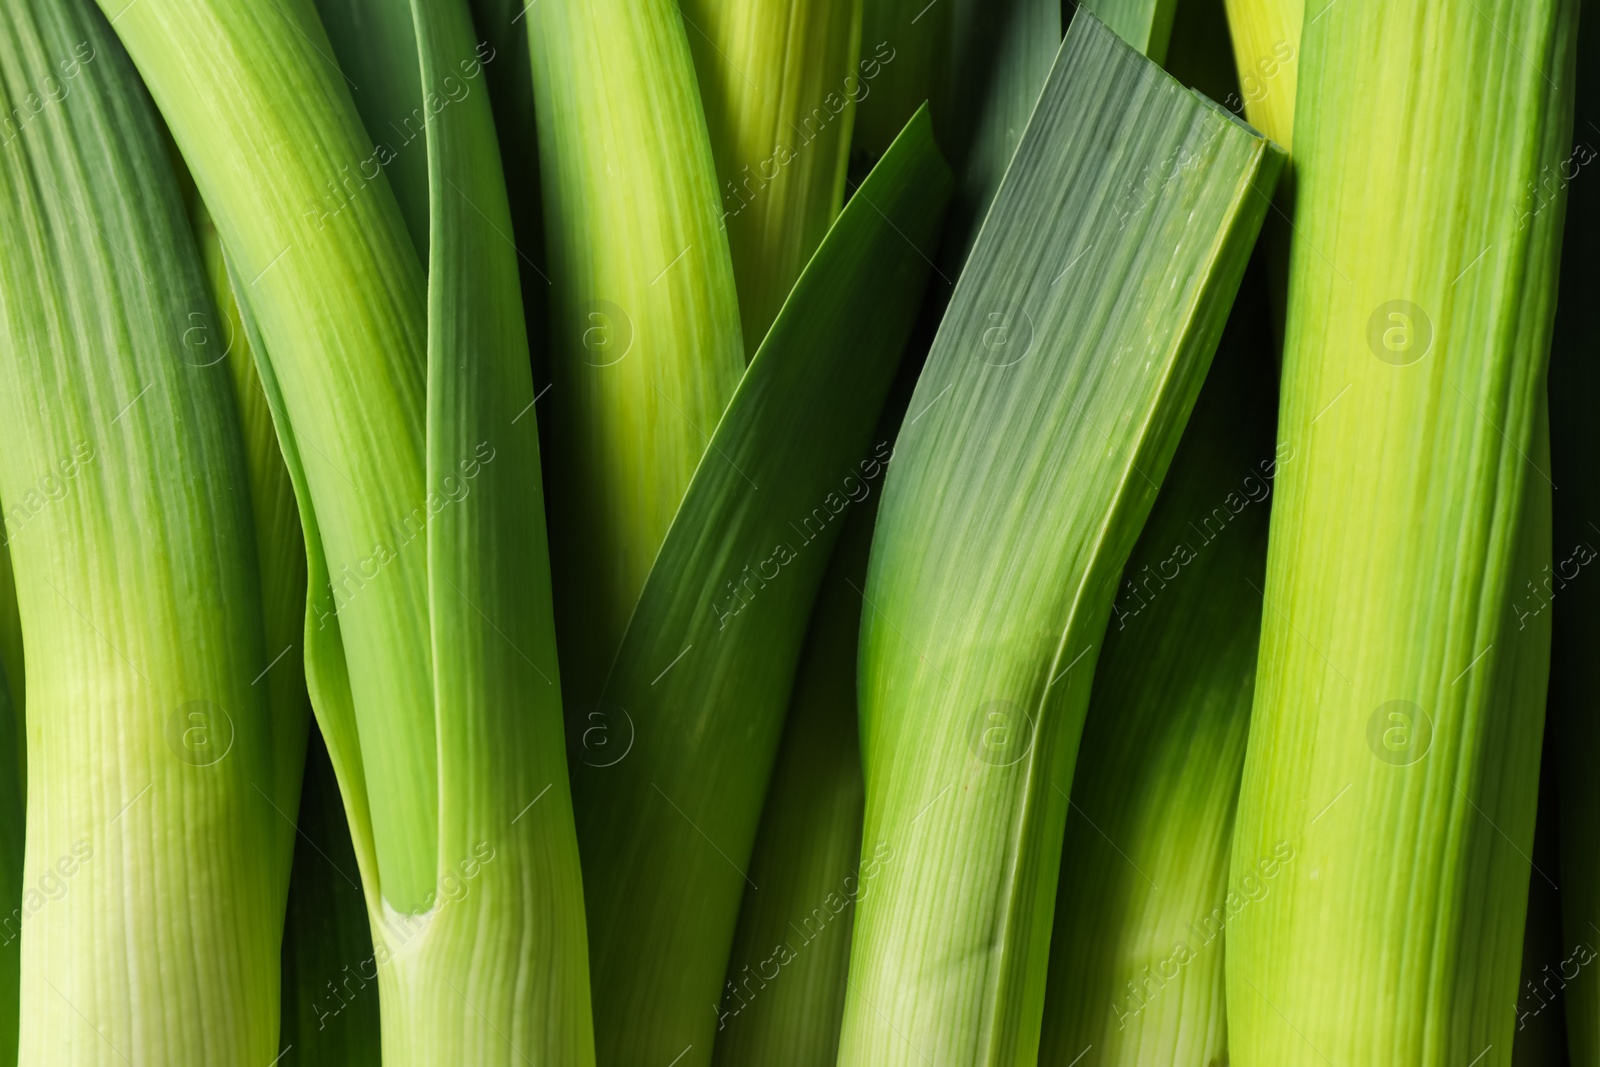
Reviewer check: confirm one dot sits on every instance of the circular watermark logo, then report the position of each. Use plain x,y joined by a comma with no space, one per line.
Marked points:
1007,337
604,734
199,733
1002,733
1399,332
606,333
1399,732
203,346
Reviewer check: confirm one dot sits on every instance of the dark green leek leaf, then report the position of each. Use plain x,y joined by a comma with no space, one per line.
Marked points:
1145,24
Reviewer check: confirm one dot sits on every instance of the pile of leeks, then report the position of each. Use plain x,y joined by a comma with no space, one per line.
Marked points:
798,532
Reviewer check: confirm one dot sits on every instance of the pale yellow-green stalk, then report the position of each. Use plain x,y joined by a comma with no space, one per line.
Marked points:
1400,698
153,875
646,348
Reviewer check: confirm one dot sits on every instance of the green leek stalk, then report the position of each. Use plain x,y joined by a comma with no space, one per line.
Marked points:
300,218
784,995
779,85
152,750
1137,949
404,415
646,347
1399,704
704,675
1570,591
1019,485
1266,48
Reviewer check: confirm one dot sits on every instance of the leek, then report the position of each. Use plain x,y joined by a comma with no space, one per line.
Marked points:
153,877
1398,710
1145,24
1047,413
1266,47
404,417
646,346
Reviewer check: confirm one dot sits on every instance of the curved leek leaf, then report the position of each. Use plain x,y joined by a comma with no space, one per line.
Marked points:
1056,390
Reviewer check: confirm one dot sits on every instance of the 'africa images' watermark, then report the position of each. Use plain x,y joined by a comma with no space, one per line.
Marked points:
451,90
452,887
738,195
745,986
14,121
743,588
1144,587
407,529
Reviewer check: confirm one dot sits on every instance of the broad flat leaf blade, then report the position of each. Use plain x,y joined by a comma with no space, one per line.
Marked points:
1054,395
705,672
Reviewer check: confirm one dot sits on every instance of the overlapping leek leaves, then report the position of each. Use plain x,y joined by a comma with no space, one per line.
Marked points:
280,548
784,994
1395,737
407,427
1137,948
646,347
703,677
1056,390
302,236
154,905
779,85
